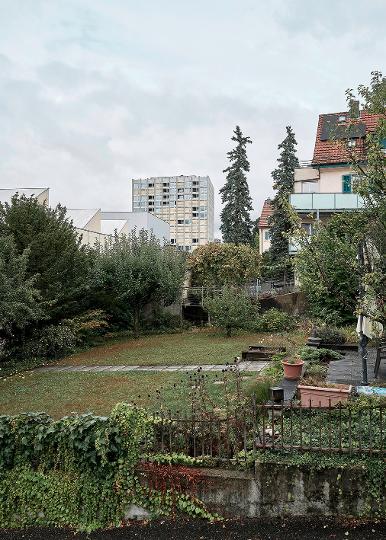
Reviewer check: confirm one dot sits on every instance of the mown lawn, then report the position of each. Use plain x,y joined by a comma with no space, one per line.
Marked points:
60,394
206,346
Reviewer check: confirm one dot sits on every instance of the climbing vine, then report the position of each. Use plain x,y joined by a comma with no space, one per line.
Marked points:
81,471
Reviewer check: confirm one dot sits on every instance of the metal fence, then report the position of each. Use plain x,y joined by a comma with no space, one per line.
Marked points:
339,429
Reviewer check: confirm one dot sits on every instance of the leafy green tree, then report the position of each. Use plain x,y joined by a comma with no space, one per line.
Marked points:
371,185
280,223
236,224
327,267
215,265
133,272
55,257
20,301
231,309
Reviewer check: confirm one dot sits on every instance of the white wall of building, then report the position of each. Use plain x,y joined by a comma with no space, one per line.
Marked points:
138,221
264,240
41,194
325,179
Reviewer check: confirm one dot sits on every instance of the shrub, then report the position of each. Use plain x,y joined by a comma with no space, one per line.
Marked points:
230,309
163,320
330,335
316,371
315,356
51,342
274,320
88,325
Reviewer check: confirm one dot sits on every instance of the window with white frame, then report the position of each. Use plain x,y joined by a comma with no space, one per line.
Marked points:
310,187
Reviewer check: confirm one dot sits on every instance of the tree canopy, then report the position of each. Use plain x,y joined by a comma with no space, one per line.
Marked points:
134,271
215,265
371,185
236,224
327,267
280,222
20,301
56,259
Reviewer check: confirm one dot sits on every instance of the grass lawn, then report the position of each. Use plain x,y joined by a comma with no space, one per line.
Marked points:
206,346
60,394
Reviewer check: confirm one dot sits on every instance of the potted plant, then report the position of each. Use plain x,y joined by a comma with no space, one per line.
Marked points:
325,395
315,391
292,368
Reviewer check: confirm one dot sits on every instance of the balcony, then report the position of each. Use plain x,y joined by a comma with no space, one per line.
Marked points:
305,202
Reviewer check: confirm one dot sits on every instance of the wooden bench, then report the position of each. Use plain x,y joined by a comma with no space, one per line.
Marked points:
381,355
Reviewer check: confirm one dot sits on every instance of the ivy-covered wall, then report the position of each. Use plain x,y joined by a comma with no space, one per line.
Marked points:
87,472
79,471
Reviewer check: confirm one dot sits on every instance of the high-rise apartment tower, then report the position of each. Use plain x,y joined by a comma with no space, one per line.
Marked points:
185,202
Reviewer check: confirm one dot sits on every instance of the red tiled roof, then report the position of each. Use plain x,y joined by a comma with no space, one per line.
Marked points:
334,150
266,212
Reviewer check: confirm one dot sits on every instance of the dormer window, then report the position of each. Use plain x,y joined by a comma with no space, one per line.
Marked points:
351,143
342,118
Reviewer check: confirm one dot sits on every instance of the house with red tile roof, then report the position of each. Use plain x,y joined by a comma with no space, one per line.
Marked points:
325,185
264,233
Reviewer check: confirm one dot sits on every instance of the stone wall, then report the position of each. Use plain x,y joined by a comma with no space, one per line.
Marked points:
285,490
273,490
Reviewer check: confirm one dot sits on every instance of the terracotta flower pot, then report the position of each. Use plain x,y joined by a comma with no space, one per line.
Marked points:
320,396
292,372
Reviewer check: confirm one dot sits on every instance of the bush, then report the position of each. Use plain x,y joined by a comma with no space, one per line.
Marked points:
163,320
330,335
230,309
317,356
51,342
89,325
274,320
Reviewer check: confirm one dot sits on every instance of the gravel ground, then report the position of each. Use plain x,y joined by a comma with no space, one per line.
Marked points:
252,529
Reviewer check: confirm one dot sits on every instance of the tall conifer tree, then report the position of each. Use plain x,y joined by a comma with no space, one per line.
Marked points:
236,224
283,183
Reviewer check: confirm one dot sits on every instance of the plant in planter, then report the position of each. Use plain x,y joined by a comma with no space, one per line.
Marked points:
292,368
314,391
324,395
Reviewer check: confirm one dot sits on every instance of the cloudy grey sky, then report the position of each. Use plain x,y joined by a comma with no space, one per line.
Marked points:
95,92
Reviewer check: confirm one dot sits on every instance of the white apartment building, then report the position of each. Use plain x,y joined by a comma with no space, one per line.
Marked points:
185,202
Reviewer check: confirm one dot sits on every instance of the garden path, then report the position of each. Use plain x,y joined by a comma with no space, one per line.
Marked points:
255,367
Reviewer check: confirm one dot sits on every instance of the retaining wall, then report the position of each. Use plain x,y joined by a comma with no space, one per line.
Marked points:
274,490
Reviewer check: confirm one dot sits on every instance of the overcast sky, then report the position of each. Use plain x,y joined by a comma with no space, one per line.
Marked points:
96,92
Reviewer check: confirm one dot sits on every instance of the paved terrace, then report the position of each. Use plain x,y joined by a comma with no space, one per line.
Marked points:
255,367
349,369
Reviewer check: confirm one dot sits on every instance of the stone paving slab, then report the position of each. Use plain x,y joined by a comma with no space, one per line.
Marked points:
349,369
254,367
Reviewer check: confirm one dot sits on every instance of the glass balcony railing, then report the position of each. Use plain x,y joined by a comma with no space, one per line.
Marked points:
326,201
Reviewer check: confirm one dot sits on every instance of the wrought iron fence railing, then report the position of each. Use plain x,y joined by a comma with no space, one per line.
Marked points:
340,429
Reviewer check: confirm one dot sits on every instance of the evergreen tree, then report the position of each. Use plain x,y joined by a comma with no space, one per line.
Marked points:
283,184
20,302
56,259
236,224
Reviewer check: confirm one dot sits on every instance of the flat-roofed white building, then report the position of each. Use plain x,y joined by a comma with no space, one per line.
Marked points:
40,193
126,222
87,222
